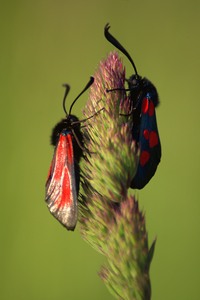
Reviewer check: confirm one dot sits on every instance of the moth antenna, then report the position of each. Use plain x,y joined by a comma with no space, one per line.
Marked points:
67,89
90,82
117,44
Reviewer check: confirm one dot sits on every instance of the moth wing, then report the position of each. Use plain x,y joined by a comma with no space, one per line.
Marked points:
61,194
149,144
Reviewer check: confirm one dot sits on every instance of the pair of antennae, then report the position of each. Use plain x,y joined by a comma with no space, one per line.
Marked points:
117,44
67,86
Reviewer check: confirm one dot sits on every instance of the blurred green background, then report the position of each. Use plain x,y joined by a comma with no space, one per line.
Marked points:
47,43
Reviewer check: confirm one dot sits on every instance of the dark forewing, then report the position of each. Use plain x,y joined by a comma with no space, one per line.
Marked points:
149,145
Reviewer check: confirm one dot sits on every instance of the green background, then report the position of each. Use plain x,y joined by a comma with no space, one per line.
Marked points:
47,43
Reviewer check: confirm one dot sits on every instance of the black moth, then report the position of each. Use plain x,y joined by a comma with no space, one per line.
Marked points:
144,97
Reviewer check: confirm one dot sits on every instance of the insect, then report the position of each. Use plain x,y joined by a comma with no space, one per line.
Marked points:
62,185
144,98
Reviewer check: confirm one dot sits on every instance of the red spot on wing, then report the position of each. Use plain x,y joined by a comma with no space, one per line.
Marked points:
151,109
144,158
145,105
146,134
69,148
64,170
153,139
65,196
64,155
60,183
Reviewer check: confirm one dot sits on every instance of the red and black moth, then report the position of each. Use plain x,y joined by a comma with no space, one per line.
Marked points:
144,98
62,185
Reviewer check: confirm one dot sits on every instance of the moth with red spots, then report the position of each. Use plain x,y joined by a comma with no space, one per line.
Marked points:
62,185
144,98
145,133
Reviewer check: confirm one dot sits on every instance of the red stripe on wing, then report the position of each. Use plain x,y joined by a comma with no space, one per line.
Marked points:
61,195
